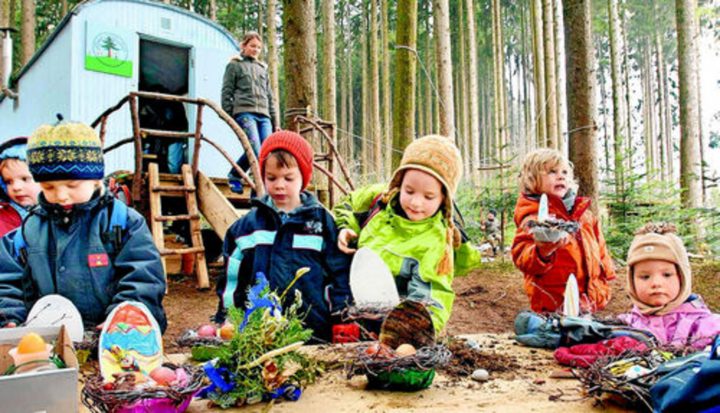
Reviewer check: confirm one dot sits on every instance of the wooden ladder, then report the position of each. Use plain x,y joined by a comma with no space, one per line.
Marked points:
193,217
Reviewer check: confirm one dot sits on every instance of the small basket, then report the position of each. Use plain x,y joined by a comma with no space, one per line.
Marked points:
408,323
126,398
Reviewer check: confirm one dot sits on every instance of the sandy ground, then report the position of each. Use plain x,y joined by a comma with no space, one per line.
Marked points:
526,389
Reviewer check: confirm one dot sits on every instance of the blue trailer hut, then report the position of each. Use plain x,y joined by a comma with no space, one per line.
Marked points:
105,49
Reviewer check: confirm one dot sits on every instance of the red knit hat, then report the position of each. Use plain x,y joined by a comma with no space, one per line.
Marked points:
297,146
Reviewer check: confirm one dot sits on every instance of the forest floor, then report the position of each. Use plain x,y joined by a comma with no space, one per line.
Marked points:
487,302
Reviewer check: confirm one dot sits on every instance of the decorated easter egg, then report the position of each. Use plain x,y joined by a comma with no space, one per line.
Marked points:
227,331
31,343
405,350
163,376
207,330
379,351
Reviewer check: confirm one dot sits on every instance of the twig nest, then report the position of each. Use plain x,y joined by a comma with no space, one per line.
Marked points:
480,375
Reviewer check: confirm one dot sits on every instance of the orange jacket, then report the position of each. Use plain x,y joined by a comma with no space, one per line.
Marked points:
586,256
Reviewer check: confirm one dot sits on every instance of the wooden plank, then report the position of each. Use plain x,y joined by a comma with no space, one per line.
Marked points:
195,230
156,227
218,211
180,251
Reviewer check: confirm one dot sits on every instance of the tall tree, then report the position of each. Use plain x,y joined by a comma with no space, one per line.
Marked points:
474,129
300,56
386,90
500,109
273,67
405,68
550,77
539,73
582,124
619,132
691,195
375,126
441,11
27,30
4,22
328,90
562,111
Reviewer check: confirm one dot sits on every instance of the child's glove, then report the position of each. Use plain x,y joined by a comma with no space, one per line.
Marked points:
345,333
535,330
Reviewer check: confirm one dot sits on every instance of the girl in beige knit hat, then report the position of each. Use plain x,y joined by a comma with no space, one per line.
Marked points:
659,282
409,224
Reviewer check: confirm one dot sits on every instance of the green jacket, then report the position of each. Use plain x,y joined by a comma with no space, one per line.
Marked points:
411,249
246,88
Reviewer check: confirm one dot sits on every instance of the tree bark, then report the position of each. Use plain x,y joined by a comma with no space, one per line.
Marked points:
386,89
328,90
4,22
273,69
562,104
539,74
300,56
691,195
472,89
27,31
463,118
405,69
550,78
581,90
365,90
213,10
375,125
618,118
500,93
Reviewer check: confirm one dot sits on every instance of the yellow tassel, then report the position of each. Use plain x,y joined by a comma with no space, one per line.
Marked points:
446,264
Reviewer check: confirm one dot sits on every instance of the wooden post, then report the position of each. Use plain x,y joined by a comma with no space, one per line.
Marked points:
198,141
156,226
138,175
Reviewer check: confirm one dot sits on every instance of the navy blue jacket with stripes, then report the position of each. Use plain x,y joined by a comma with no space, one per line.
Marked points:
278,244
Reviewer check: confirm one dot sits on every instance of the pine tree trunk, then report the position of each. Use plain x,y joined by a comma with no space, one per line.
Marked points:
626,91
550,78
463,117
618,118
581,91
213,10
386,89
300,57
273,69
350,103
691,195
63,7
540,124
328,90
472,89
375,120
500,94
27,31
562,110
365,111
605,110
405,69
426,75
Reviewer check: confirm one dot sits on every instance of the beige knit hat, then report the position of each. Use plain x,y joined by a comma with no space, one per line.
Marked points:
659,242
437,156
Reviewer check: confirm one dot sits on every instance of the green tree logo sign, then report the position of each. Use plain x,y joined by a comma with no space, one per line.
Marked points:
111,48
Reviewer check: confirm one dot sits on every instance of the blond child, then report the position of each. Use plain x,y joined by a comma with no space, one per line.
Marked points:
18,189
547,266
659,282
70,244
409,224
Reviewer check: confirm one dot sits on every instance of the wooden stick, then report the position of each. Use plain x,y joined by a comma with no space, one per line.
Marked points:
270,354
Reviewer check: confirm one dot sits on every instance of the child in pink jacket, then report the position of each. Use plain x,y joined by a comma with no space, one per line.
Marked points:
659,281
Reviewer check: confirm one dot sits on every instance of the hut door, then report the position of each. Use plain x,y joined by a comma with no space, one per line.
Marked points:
164,68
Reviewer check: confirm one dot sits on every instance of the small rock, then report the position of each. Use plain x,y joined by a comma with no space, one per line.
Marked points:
473,344
538,381
480,375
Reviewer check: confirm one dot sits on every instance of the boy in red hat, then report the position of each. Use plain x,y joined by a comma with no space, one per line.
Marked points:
287,229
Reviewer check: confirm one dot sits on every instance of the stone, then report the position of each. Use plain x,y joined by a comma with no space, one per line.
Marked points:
480,375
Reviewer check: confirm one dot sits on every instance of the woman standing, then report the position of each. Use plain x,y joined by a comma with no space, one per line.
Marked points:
247,97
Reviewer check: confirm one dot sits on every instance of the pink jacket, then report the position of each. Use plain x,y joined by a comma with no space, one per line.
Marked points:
692,323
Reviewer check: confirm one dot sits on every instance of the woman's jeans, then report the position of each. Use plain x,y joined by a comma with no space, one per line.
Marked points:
257,128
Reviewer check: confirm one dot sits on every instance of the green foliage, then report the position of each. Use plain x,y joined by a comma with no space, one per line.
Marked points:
263,333
645,200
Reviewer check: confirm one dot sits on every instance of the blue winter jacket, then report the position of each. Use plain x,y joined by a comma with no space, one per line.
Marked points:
70,253
278,244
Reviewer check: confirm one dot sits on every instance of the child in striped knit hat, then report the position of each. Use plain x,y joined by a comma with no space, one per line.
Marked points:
70,244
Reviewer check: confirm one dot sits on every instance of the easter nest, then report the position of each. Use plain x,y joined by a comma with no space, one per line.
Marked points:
125,396
552,229
629,376
408,324
190,338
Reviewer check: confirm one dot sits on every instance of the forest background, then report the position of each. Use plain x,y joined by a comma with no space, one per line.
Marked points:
627,88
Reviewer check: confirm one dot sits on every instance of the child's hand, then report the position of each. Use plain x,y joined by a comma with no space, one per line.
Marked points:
345,238
10,325
546,249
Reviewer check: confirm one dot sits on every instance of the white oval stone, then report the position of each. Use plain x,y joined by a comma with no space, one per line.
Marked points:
480,375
